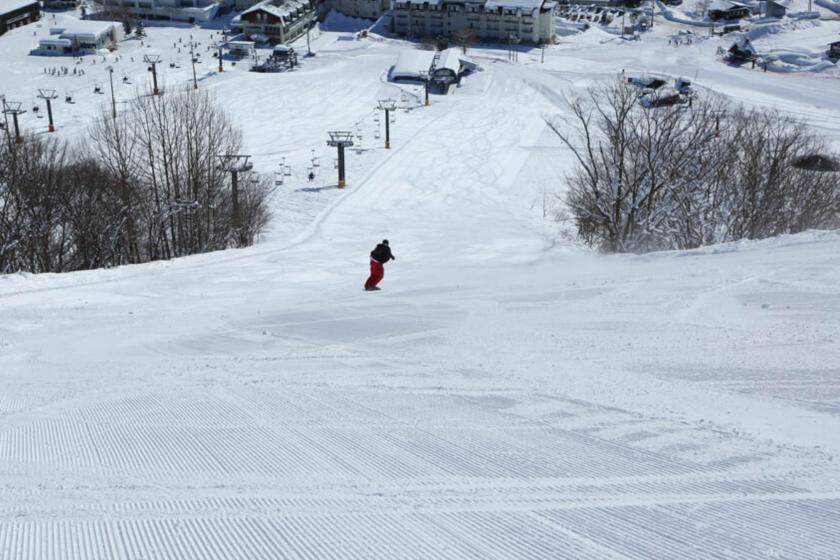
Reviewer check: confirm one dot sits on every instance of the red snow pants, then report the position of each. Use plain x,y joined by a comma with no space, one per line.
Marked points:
377,271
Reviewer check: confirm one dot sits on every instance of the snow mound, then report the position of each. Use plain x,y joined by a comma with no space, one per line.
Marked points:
798,61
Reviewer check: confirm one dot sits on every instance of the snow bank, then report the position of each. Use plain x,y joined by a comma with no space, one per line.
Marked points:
798,61
678,16
830,5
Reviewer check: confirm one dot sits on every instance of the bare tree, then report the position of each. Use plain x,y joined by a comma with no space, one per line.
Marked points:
148,186
681,177
464,38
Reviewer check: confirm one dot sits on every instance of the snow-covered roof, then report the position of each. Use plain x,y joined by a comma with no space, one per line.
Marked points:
524,5
421,2
85,27
56,42
7,6
279,8
413,64
449,59
725,5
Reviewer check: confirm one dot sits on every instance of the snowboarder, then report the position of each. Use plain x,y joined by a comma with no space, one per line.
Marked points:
378,258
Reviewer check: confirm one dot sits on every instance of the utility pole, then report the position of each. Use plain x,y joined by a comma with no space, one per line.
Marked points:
652,5
340,139
110,70
387,105
192,58
152,60
236,164
48,95
13,108
542,54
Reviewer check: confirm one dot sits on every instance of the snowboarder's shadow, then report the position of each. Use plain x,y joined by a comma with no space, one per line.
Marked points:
316,189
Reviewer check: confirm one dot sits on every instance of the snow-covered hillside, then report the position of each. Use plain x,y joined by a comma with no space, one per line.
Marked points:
508,394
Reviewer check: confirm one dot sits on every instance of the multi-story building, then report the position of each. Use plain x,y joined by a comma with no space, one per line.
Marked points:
528,21
191,11
275,21
366,9
14,13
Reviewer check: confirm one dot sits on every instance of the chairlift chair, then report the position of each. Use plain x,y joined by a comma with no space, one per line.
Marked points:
278,178
316,161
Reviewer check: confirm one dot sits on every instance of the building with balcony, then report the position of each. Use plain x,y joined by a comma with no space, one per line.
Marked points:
275,21
365,9
191,11
527,21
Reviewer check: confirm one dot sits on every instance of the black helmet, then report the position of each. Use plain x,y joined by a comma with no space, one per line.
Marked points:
384,241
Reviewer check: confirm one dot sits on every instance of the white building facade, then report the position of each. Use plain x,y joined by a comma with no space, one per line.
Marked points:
275,21
191,11
366,9
529,21
84,36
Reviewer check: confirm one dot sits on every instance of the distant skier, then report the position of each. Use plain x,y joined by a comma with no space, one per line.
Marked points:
378,257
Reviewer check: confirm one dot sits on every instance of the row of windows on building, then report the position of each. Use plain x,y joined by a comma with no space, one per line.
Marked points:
471,9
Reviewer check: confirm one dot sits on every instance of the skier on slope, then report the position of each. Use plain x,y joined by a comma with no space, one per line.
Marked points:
378,257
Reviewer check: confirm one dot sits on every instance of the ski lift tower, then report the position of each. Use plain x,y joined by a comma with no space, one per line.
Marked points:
48,95
513,54
153,60
427,78
236,164
219,46
340,139
387,105
14,108
110,70
193,60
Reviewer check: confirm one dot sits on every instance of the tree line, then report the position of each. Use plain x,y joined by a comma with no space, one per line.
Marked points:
146,185
680,177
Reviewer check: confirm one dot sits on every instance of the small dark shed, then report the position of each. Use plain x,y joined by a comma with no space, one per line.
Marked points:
729,11
15,13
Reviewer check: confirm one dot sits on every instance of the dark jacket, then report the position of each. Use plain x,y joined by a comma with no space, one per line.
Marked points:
382,254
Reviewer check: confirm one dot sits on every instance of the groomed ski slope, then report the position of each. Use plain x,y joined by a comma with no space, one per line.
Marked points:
507,395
